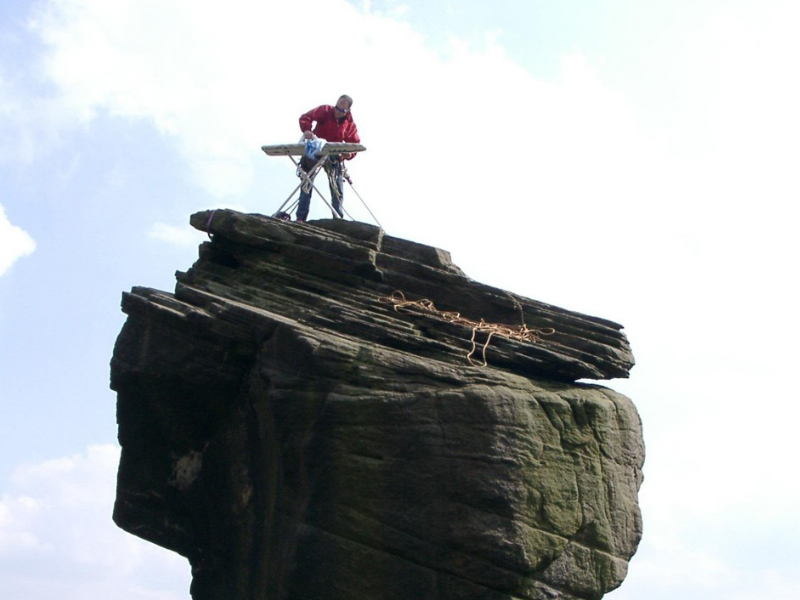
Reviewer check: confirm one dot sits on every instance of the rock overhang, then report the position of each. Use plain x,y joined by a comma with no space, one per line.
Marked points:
281,404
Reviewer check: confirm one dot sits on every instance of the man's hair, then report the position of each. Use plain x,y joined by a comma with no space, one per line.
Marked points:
349,100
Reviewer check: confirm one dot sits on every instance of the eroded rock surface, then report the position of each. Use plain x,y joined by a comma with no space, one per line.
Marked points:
296,437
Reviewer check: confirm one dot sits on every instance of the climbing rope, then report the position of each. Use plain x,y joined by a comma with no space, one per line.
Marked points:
307,171
208,224
333,184
306,182
346,176
520,333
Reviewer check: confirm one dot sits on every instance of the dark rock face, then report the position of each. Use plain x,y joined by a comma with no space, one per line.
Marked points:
296,437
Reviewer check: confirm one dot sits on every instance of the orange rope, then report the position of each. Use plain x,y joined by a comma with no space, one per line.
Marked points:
520,333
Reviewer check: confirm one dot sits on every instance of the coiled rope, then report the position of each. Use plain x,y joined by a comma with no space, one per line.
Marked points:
521,333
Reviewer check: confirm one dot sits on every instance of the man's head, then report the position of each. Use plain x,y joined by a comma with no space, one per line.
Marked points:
343,105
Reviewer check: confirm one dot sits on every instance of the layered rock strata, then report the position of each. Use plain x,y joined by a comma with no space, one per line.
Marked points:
308,416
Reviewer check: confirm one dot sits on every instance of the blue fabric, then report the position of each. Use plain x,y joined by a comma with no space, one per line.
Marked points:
313,147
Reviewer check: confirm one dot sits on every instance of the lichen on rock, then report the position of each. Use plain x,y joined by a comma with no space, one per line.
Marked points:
295,437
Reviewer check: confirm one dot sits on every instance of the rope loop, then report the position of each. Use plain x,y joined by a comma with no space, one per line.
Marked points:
521,333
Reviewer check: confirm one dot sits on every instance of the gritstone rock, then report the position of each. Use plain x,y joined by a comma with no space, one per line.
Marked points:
309,417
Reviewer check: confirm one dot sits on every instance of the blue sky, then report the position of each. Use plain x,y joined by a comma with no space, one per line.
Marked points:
631,160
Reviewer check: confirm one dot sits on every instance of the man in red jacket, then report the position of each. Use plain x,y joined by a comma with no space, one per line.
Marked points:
333,124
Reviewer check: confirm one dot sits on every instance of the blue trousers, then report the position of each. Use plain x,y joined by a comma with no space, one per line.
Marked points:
333,168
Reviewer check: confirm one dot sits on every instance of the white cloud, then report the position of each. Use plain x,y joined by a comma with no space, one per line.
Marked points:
553,189
14,512
55,518
182,236
665,573
466,137
31,124
222,83
14,243
15,143
214,80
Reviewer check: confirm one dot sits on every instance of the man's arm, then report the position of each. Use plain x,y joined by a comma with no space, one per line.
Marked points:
351,135
307,120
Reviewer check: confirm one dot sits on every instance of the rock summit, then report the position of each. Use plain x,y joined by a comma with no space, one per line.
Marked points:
322,411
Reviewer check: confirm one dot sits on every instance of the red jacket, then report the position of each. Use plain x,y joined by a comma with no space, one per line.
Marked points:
328,128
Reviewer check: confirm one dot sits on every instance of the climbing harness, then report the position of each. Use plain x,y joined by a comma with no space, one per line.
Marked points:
521,333
331,167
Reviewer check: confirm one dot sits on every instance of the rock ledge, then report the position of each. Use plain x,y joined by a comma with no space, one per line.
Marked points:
296,434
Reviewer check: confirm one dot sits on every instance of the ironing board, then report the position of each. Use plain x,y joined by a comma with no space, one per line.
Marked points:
298,149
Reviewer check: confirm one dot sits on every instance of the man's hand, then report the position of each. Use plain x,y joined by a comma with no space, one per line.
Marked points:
308,135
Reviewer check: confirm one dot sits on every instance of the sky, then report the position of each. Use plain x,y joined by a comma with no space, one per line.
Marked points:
631,160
